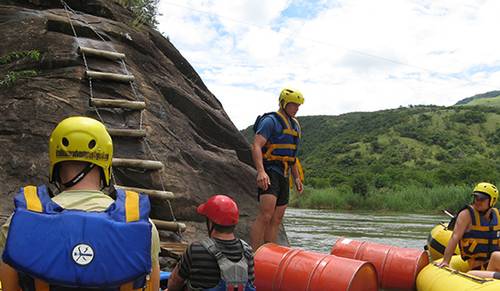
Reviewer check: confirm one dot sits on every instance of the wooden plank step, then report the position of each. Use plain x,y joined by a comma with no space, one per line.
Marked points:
138,164
169,225
177,247
118,103
102,53
110,76
127,132
173,250
153,193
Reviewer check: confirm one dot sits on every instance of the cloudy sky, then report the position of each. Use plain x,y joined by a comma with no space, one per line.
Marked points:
344,55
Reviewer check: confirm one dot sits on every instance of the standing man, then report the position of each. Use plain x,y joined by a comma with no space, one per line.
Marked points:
219,262
274,153
81,238
477,230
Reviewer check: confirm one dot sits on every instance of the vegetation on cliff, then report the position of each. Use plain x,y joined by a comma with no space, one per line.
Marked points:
145,11
13,73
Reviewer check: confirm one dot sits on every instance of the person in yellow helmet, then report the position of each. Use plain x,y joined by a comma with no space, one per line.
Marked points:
274,153
81,238
476,231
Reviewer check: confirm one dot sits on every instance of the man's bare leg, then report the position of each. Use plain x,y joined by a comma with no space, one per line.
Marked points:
271,234
262,223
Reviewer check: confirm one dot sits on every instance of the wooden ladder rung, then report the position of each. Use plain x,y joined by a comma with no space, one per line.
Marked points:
138,164
118,103
153,193
169,225
175,247
174,250
110,76
102,53
127,132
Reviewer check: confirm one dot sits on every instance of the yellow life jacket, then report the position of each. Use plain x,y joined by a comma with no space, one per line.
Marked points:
483,238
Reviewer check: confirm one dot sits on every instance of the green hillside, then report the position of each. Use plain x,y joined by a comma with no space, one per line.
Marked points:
494,101
419,146
491,98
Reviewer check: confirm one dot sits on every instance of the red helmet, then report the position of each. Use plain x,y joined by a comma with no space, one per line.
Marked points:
220,209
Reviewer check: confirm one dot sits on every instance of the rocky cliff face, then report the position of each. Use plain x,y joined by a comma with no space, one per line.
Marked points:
187,128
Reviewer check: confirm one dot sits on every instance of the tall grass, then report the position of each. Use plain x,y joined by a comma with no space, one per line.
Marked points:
409,199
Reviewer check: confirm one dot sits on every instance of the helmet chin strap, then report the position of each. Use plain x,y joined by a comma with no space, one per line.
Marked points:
79,176
286,113
209,228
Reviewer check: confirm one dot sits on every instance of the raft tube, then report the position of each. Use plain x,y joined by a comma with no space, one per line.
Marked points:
279,268
397,268
434,278
438,240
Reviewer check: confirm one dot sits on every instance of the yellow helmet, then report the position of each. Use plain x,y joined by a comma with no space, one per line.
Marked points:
288,95
488,189
82,139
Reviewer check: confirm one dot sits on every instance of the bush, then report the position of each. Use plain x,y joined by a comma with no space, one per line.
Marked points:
145,11
13,76
408,199
359,184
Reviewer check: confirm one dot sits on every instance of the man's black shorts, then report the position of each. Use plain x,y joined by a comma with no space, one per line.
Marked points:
279,187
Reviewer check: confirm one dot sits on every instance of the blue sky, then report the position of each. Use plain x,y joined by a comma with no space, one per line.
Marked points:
344,55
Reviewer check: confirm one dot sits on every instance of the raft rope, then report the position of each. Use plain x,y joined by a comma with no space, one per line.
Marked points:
67,9
476,279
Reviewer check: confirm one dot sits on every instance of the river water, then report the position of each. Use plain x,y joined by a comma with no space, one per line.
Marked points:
317,230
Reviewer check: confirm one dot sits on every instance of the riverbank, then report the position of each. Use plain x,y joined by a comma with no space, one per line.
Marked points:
413,199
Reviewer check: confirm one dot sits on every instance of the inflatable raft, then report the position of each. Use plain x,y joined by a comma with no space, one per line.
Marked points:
437,241
434,278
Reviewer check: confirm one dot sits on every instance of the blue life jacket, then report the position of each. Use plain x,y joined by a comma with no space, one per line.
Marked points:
234,275
281,148
76,248
483,238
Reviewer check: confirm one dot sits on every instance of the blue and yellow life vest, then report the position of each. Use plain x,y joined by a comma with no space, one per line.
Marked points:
74,248
483,237
283,148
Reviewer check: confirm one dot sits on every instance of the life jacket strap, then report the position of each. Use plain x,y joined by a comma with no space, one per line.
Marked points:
283,117
132,212
301,173
301,170
290,132
33,202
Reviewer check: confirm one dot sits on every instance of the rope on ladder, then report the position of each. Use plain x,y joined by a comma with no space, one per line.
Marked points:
68,9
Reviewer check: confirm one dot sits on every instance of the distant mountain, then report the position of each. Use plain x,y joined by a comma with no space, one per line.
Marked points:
491,98
420,145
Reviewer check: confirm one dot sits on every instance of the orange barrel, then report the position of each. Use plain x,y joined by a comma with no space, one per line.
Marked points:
279,268
396,267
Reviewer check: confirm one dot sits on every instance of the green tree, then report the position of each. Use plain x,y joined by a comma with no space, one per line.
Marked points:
359,184
145,11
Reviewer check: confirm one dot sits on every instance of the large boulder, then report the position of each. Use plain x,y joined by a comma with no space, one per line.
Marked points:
187,127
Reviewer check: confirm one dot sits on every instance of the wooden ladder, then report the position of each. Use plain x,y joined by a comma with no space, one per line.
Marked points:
146,165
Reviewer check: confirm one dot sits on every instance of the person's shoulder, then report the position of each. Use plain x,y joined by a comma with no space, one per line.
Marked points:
197,247
464,215
268,119
247,248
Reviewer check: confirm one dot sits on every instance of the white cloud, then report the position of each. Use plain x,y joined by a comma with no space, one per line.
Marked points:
356,55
